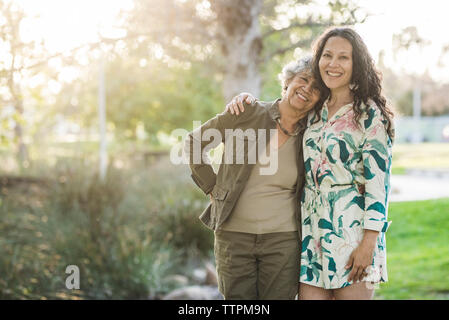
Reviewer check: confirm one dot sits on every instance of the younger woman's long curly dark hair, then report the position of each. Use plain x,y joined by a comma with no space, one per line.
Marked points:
366,80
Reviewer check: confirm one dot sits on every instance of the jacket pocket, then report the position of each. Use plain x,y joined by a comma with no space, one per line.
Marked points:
218,204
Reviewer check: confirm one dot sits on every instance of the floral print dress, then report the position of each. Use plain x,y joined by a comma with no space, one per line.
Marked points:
346,191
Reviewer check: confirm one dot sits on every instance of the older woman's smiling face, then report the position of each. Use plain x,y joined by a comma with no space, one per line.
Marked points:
336,63
302,92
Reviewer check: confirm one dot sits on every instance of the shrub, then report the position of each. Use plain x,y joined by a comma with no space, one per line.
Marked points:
126,235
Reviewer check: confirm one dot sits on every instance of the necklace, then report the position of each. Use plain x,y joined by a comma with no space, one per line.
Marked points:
294,134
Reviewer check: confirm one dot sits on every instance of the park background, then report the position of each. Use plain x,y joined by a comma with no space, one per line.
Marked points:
91,91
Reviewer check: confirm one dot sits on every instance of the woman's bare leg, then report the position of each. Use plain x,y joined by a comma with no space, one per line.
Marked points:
307,292
357,291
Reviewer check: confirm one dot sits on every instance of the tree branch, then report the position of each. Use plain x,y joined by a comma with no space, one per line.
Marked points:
280,51
92,45
309,24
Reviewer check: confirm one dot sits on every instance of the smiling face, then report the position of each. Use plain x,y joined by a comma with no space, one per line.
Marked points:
335,63
302,92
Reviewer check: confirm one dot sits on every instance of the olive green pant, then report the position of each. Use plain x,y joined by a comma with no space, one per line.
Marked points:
257,266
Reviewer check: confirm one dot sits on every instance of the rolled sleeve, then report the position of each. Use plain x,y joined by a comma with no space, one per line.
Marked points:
376,225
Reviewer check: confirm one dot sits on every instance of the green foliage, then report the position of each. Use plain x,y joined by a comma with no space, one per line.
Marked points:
271,86
159,97
126,235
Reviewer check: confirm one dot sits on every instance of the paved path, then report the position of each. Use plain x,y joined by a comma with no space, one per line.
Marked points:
419,186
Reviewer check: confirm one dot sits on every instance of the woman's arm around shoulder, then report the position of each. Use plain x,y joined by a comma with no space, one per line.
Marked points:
236,105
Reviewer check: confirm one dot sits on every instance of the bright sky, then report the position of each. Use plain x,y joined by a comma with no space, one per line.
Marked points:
67,24
391,16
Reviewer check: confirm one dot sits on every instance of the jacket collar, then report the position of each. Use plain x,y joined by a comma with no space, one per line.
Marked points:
273,110
274,113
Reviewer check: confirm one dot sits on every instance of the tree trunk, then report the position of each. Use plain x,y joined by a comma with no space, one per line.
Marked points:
239,26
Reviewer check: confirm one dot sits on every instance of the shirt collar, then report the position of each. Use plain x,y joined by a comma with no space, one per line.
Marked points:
340,112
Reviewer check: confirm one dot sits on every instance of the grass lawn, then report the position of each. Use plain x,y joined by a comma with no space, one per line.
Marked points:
420,156
417,251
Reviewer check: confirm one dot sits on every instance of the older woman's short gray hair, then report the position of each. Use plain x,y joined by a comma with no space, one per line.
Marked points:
291,69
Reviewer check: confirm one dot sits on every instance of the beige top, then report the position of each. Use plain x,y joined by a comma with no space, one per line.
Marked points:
267,203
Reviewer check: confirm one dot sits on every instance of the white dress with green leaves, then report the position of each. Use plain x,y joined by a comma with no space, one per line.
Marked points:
339,159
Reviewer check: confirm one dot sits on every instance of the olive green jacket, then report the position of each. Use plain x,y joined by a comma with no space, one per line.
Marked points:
227,185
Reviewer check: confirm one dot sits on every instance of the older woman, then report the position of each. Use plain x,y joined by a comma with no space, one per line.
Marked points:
256,216
347,156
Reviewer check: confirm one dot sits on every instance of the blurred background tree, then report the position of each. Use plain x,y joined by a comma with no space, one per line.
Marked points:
181,60
234,38
17,57
175,61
